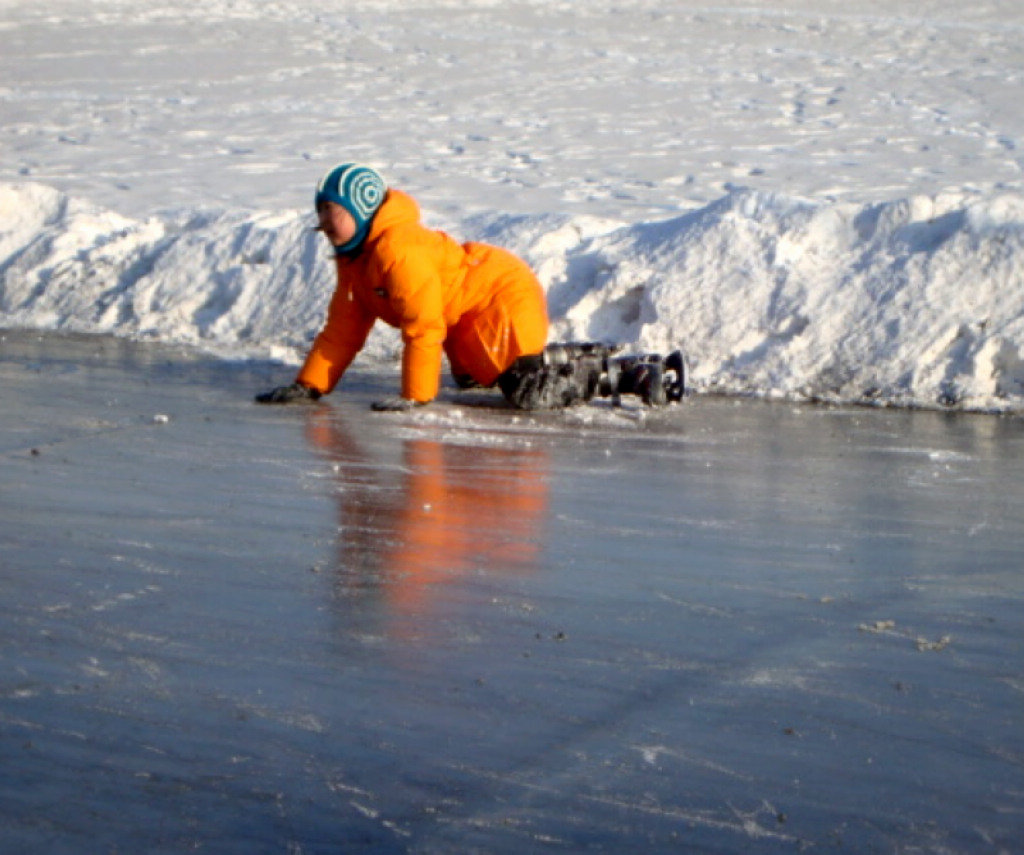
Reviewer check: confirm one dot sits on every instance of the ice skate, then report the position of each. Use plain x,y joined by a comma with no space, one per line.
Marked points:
655,379
564,353
675,376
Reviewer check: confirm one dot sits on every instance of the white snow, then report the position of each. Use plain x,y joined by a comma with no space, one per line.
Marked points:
815,200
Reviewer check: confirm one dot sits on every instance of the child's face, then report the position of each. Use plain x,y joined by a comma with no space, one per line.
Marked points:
337,224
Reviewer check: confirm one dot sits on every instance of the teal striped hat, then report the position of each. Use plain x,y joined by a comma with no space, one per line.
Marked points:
360,190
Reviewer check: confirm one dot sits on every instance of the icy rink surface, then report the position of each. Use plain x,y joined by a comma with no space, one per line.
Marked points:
733,626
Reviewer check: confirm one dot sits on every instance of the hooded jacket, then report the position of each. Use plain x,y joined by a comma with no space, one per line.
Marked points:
480,304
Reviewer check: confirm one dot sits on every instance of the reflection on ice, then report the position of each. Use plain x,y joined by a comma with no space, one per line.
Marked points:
410,527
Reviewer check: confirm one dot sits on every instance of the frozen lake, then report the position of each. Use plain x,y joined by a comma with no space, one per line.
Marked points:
733,626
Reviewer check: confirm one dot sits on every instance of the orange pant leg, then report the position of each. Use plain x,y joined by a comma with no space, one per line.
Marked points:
512,322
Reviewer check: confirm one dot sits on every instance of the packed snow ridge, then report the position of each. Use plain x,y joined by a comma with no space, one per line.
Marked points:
915,302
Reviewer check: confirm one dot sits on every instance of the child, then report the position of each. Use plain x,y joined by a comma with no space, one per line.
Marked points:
478,304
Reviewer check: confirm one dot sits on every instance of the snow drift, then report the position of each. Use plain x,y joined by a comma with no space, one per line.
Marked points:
916,302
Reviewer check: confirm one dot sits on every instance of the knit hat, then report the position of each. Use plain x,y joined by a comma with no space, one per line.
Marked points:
360,190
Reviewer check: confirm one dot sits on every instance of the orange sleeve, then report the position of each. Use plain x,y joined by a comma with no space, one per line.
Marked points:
417,297
343,336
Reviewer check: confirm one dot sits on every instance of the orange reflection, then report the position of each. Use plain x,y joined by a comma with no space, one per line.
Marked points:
416,519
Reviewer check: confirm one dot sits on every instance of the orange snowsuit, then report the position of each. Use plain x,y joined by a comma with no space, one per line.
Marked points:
479,304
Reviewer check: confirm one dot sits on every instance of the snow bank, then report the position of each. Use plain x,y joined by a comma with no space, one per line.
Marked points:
917,302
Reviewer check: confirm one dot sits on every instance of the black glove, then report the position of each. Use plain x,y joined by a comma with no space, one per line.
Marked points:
396,404
294,394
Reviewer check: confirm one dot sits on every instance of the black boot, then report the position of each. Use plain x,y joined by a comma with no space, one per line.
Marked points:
534,383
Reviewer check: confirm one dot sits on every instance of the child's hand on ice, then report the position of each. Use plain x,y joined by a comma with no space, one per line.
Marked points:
396,404
294,394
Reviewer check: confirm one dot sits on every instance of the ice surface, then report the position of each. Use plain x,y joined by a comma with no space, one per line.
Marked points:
728,626
731,626
817,201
